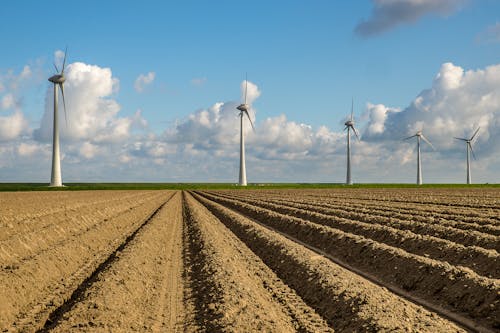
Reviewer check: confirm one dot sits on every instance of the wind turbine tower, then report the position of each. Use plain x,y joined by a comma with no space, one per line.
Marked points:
419,136
349,124
57,80
243,108
468,146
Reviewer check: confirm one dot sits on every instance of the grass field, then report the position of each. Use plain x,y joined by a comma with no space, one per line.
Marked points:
216,186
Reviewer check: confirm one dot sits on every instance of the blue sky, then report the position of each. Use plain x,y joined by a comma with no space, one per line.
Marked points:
305,58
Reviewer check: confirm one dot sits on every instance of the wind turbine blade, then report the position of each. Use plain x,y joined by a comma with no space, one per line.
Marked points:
352,109
410,137
64,104
355,133
246,87
57,69
459,138
248,116
428,142
64,61
475,133
472,150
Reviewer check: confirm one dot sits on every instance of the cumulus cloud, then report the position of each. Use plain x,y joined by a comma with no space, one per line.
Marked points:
143,80
216,130
8,101
92,113
388,14
280,149
10,86
59,58
25,73
12,126
88,150
458,102
377,115
138,121
27,149
252,92
217,125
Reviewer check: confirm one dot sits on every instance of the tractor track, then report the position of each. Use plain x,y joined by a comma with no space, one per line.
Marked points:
78,294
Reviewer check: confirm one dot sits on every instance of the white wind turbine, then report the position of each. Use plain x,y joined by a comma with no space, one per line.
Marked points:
243,108
57,80
419,136
468,146
349,124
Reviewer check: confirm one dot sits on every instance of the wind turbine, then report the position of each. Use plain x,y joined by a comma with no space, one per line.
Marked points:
349,124
419,136
468,146
243,108
58,80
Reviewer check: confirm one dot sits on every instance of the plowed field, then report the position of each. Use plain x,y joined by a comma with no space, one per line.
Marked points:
345,260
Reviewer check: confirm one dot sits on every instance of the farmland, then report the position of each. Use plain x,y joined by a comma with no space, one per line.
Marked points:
273,260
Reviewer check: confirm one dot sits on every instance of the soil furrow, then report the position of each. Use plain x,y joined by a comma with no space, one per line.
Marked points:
33,290
454,288
484,223
482,261
140,289
233,289
56,315
466,238
350,303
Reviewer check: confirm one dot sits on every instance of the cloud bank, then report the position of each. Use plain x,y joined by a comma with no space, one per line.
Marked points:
101,144
388,14
457,103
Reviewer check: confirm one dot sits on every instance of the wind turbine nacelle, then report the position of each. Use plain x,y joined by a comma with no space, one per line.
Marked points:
349,123
58,78
243,107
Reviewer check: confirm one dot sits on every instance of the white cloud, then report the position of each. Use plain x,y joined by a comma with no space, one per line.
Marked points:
387,14
377,114
253,92
11,85
215,130
59,58
143,80
138,121
205,145
457,103
25,73
92,113
216,126
88,150
13,126
8,101
27,149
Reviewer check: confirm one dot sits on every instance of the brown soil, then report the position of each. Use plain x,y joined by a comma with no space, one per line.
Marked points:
348,302
39,273
233,290
143,289
347,260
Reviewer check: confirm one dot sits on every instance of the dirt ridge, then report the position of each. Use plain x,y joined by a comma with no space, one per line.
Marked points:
456,289
56,315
